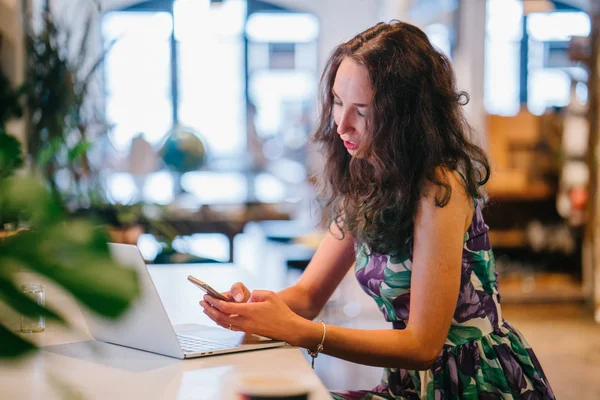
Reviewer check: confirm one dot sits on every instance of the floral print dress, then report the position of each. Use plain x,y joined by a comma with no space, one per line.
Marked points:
484,356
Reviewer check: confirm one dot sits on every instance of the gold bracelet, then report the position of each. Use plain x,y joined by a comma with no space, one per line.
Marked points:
315,354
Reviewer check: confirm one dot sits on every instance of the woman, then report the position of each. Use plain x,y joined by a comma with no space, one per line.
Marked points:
405,184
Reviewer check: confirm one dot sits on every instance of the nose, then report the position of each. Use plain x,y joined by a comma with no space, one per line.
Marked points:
345,123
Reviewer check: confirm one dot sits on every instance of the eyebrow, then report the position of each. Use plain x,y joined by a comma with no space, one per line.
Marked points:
362,105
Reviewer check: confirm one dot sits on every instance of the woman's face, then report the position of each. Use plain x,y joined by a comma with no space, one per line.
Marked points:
352,96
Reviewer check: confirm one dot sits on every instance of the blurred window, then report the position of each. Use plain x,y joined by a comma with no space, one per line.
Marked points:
210,45
557,26
137,75
282,77
502,51
440,37
243,73
209,72
548,70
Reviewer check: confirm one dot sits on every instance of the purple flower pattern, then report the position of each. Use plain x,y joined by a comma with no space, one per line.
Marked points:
484,356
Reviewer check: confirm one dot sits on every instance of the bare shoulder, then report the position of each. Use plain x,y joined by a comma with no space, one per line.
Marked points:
450,179
459,202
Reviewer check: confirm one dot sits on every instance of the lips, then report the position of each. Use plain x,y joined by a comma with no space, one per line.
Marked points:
350,145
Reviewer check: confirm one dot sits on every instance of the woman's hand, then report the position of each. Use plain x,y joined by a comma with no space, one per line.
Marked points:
264,314
238,293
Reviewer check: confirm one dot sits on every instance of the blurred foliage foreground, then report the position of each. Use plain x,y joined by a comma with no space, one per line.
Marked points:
72,253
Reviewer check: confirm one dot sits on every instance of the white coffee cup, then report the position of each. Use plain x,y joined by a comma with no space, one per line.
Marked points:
264,386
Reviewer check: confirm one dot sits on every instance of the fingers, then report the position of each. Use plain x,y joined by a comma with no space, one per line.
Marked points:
229,295
222,319
211,312
261,295
240,293
226,307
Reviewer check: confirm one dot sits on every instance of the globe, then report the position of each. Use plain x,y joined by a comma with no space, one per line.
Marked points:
183,150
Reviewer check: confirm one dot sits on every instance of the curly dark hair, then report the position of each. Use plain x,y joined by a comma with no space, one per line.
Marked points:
416,129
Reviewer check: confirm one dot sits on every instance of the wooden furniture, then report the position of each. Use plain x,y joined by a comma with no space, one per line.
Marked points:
522,187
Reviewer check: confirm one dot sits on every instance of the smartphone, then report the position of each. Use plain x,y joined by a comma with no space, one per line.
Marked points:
206,288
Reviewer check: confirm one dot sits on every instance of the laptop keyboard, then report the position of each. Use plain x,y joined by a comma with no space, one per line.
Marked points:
191,344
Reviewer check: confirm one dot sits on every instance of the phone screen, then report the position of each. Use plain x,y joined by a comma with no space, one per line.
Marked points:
206,288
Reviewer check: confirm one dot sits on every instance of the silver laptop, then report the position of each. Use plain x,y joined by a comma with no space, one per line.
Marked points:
146,326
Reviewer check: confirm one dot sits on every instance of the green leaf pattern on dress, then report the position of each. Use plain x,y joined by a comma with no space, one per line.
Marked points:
484,356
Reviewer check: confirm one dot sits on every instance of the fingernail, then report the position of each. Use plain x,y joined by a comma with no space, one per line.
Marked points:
238,297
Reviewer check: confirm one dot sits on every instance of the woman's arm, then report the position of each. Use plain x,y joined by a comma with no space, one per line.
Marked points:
324,273
436,267
437,258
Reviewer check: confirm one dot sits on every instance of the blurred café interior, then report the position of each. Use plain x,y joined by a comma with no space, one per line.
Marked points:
194,124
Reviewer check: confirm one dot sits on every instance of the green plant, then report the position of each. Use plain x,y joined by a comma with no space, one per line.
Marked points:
11,157
10,100
125,216
71,252
62,122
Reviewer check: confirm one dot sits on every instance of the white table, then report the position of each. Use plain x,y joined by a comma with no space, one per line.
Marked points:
71,361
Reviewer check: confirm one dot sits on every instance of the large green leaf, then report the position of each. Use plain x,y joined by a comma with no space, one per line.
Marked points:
11,158
12,345
74,256
72,253
32,199
22,303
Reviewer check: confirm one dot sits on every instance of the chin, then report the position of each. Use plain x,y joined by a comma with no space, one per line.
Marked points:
355,154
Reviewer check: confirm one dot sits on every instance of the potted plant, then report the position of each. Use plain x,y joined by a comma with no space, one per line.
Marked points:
71,252
62,120
11,158
10,99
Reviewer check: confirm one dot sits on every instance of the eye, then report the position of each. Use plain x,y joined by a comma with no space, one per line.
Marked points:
337,102
361,114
